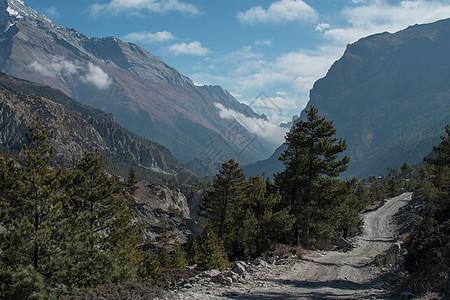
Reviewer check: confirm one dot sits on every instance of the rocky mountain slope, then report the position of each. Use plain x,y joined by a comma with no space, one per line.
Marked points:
389,97
145,95
165,214
80,128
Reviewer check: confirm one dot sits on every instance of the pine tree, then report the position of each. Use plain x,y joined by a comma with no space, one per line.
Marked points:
272,224
61,229
223,202
405,173
179,260
132,179
312,157
31,209
207,251
441,160
106,238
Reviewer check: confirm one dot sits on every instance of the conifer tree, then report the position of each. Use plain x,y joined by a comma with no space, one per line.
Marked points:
441,160
311,160
207,251
132,179
104,236
223,202
30,212
272,224
61,229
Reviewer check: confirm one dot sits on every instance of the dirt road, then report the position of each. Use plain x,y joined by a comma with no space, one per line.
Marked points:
319,275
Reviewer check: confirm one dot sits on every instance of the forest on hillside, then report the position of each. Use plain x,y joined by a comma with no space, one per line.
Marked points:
69,230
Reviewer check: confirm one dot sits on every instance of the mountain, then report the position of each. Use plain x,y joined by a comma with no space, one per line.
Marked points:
144,94
80,128
389,97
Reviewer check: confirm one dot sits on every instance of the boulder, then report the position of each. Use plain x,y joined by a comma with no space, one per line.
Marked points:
211,273
239,267
260,262
222,279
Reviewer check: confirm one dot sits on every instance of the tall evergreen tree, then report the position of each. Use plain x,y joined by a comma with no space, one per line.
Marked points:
272,223
441,160
311,160
61,229
224,200
106,236
30,212
132,179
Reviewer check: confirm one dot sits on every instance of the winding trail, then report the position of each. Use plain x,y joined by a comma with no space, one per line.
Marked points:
322,275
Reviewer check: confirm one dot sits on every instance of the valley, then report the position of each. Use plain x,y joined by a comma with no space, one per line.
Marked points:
122,178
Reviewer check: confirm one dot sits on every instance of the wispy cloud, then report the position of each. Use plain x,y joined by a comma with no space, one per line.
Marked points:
266,130
97,77
140,7
51,12
192,48
369,17
282,11
59,66
149,37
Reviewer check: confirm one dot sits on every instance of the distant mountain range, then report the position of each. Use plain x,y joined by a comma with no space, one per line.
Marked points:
80,128
144,94
389,97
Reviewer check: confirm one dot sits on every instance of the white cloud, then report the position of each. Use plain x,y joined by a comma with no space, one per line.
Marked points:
97,77
250,72
322,26
51,12
268,131
59,66
192,48
282,11
142,6
149,37
264,42
376,16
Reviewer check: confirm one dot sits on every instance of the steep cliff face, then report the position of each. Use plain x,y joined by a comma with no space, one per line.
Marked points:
165,214
79,128
146,95
389,98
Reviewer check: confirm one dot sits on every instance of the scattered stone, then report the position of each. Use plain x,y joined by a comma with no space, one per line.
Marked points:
273,260
222,279
191,267
239,267
230,274
260,262
211,273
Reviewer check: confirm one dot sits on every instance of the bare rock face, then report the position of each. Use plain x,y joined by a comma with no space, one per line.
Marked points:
164,213
77,128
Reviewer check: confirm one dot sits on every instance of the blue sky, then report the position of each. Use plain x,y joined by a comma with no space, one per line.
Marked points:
278,47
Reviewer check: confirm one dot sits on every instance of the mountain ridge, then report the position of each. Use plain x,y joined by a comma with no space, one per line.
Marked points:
145,95
388,96
79,128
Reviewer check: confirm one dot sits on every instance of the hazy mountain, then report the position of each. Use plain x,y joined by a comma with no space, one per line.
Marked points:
389,97
145,95
80,128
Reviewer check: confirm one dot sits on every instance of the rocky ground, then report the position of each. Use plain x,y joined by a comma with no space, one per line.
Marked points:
363,273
